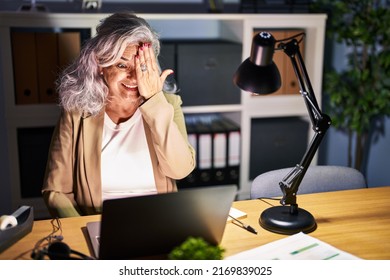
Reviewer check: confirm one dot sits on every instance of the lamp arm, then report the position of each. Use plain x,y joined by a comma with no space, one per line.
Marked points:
320,124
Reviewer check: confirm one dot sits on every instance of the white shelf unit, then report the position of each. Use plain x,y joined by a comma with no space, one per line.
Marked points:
234,27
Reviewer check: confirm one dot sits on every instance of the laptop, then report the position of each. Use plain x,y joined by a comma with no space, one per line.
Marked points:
149,227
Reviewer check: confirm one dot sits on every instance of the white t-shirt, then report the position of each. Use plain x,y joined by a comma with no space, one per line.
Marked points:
126,167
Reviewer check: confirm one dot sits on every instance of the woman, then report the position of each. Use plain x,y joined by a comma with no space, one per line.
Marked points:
120,132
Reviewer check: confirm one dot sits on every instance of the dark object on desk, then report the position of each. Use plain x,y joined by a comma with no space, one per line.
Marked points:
59,250
245,226
149,227
51,246
25,218
259,74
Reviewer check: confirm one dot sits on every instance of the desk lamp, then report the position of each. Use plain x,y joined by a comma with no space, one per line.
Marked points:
259,75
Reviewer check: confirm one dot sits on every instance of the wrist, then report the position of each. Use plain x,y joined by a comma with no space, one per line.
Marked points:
150,97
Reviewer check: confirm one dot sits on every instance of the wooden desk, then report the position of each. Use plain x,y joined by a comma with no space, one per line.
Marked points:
355,221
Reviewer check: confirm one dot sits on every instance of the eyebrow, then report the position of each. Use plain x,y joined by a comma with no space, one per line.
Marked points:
127,59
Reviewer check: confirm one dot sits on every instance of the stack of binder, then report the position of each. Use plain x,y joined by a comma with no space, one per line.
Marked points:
216,140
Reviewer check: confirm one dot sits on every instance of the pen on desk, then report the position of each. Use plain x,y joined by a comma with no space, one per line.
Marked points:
245,226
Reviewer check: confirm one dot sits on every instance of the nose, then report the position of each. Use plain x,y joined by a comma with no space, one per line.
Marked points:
131,74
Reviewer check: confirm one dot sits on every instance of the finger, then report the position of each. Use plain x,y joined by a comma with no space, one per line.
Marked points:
141,54
138,63
147,56
153,60
143,66
165,74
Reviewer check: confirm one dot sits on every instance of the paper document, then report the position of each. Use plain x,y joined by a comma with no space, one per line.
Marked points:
235,213
299,246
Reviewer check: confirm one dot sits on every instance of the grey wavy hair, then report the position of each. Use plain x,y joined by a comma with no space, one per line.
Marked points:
81,87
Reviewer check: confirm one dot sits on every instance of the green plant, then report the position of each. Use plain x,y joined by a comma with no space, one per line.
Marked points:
196,248
360,93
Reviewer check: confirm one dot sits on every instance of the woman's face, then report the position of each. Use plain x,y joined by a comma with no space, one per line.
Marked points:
121,77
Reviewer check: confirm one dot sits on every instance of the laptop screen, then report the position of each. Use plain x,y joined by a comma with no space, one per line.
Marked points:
151,226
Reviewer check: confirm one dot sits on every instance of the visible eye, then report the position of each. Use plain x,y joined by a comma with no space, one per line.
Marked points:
121,66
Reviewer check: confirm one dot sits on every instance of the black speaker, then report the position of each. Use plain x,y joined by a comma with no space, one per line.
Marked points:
33,148
205,72
277,143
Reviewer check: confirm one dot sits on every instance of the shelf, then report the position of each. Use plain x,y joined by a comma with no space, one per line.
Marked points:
238,28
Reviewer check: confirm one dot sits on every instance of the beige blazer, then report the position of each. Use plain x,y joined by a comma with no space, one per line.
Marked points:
72,184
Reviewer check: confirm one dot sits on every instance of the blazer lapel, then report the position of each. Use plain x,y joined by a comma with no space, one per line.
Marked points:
92,130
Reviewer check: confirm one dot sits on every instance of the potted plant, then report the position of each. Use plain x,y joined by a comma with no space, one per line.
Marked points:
196,248
359,95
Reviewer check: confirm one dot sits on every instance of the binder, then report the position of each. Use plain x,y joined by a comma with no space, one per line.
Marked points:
204,155
219,152
68,48
234,151
192,179
47,64
25,67
37,58
216,140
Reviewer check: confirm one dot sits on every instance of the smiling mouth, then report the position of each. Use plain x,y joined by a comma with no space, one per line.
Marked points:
133,87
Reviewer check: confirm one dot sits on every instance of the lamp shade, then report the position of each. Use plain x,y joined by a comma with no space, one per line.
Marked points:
258,73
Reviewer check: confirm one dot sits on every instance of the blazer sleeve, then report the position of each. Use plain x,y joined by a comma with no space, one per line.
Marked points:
58,183
165,118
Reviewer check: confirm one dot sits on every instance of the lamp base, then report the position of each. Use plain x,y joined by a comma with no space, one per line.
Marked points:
279,219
